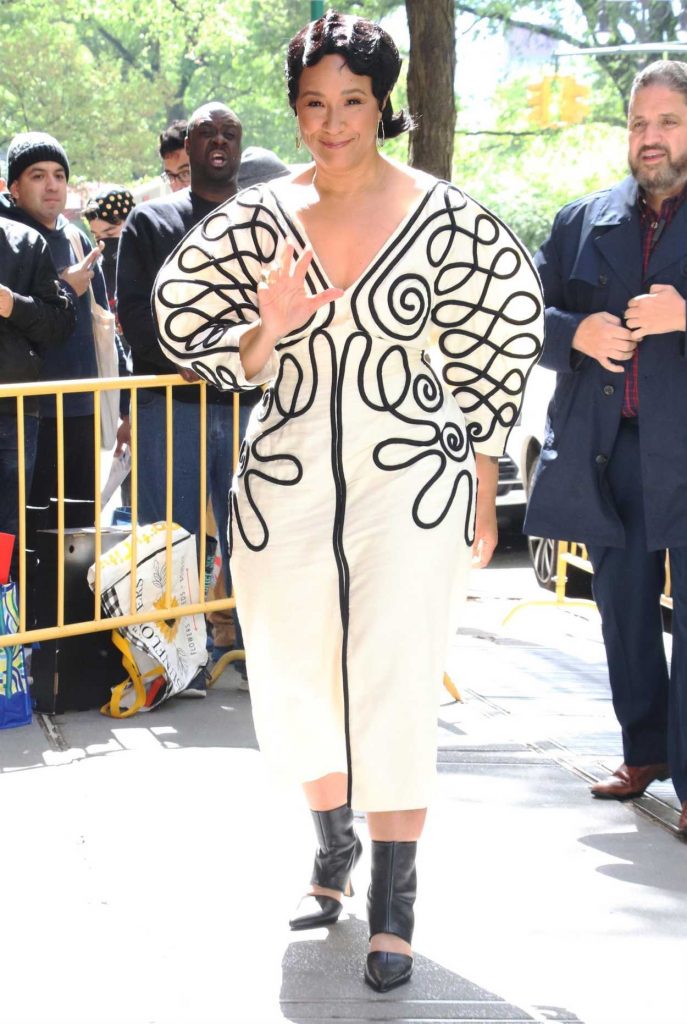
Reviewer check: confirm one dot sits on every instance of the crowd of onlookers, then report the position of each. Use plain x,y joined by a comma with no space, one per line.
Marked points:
54,275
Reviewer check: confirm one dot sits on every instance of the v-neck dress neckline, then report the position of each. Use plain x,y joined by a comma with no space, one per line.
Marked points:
295,221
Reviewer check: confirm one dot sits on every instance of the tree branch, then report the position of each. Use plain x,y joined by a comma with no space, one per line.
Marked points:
542,30
533,131
125,54
553,130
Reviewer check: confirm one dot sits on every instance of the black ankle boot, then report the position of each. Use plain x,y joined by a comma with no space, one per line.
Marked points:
338,851
390,902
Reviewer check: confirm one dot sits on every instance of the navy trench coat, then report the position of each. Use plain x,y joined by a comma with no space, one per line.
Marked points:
592,262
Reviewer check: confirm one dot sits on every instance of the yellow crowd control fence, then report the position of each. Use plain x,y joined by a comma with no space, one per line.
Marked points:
574,554
98,623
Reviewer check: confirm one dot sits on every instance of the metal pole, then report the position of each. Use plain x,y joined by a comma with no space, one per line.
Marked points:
316,9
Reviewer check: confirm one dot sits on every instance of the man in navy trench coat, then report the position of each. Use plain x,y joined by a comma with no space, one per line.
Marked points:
613,467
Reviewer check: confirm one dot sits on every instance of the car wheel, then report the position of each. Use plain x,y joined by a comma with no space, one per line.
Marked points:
543,556
543,552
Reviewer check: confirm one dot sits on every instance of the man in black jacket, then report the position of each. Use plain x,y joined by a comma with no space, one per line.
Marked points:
36,315
151,233
37,176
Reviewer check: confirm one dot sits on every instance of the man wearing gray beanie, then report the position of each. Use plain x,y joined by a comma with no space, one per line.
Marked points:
37,175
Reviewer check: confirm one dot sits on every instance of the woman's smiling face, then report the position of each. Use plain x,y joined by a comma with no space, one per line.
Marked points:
338,114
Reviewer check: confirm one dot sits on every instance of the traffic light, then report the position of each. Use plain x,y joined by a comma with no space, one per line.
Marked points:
573,106
539,102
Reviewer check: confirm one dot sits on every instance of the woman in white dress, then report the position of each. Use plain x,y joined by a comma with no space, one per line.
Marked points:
393,321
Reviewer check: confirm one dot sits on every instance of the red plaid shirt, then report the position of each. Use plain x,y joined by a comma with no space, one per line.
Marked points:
651,228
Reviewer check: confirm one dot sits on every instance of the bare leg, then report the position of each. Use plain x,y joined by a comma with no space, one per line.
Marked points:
325,794
388,827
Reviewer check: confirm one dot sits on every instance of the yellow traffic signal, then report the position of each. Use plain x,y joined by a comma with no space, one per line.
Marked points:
539,102
573,106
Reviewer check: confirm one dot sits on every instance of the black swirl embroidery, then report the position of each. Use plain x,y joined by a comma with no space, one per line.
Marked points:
215,290
450,274
421,434
290,397
490,333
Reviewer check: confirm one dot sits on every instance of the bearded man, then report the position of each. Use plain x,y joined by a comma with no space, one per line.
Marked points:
613,468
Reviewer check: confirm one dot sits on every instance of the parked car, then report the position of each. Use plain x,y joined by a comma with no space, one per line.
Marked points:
510,495
524,445
524,448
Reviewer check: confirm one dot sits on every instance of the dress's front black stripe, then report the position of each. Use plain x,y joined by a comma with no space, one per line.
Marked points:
339,553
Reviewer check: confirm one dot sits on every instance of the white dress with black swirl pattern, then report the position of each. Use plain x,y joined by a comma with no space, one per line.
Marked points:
352,510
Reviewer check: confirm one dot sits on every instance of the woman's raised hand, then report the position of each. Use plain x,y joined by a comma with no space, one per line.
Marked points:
282,299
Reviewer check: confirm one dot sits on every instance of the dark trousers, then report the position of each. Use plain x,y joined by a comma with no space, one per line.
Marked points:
9,475
79,461
649,701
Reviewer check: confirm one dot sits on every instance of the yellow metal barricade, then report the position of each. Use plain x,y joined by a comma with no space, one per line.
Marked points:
569,553
573,553
98,624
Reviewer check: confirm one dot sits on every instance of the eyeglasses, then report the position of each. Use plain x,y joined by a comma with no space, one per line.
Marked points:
183,176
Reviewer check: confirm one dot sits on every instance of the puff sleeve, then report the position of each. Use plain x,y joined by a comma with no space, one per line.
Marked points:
487,317
205,295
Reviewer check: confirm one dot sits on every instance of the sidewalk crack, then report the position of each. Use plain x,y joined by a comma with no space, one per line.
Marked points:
52,731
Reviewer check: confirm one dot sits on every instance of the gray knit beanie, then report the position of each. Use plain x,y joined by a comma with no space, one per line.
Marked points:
30,148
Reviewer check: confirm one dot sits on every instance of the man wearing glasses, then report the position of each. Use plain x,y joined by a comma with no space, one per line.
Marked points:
172,148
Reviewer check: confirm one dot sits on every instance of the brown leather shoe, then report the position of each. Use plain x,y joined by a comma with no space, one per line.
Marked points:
628,781
682,823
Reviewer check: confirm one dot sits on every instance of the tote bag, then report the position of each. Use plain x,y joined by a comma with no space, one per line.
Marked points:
15,702
103,325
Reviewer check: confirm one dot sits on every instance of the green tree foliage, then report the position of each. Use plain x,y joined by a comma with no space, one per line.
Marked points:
106,77
526,173
64,89
626,23
526,181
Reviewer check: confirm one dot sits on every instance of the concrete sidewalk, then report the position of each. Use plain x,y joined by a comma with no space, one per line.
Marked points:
150,866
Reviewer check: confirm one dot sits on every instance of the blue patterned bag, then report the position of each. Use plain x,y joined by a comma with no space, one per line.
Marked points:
15,701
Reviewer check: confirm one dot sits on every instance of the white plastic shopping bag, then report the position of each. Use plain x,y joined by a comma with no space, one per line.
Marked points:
120,468
161,657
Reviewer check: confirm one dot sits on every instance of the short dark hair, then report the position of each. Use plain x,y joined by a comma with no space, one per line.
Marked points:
367,50
173,138
670,73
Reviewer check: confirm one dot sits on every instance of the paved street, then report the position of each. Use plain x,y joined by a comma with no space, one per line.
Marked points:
149,866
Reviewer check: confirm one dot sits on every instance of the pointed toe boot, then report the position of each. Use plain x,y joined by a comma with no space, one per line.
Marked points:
384,971
337,854
390,901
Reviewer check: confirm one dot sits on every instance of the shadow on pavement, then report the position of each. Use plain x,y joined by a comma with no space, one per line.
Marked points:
322,980
644,862
222,719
